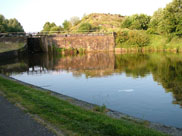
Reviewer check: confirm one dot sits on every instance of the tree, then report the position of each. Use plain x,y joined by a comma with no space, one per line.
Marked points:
2,24
156,21
51,27
14,26
47,26
85,27
172,18
139,22
55,29
66,25
127,22
11,25
74,20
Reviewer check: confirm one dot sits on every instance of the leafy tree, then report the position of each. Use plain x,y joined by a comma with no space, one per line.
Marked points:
55,29
74,20
66,25
51,27
11,25
47,26
85,27
139,22
172,18
127,22
2,24
14,26
156,21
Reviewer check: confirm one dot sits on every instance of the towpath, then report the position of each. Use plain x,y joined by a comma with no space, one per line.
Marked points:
14,122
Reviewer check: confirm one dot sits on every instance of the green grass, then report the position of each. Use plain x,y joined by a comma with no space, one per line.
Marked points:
9,46
71,119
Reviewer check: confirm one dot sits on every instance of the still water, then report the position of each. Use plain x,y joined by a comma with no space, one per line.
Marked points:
147,86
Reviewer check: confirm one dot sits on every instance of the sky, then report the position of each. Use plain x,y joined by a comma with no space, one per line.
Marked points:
32,14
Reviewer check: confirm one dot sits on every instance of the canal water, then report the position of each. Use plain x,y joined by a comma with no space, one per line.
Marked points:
146,86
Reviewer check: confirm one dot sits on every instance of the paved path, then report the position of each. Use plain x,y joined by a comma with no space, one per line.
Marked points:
14,122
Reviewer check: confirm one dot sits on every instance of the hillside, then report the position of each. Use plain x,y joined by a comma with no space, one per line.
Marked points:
105,22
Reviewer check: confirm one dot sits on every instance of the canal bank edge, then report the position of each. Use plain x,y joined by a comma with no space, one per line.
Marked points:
173,131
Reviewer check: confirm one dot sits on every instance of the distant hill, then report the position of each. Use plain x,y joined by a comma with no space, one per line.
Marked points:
104,22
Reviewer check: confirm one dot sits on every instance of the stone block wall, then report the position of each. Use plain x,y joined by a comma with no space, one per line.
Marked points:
89,42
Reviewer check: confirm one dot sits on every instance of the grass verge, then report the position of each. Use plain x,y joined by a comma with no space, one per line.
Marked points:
71,119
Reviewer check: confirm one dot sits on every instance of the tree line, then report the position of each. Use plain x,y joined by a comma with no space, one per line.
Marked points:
164,21
10,25
67,25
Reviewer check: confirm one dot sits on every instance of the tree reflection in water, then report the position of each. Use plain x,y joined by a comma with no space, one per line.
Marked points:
166,68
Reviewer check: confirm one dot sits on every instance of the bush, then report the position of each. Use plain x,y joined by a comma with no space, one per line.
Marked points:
122,37
55,29
138,38
85,27
151,31
139,22
132,37
127,22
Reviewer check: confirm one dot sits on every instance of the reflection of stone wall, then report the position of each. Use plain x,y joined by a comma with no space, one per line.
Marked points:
90,42
11,47
13,39
91,64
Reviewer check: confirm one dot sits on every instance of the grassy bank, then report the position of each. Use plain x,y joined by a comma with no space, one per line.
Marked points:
140,40
71,119
9,46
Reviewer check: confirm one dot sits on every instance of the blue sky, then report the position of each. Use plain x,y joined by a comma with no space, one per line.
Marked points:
32,14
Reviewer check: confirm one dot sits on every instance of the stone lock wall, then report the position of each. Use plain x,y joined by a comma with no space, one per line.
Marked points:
89,42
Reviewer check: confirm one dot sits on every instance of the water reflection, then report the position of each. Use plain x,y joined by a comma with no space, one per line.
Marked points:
166,69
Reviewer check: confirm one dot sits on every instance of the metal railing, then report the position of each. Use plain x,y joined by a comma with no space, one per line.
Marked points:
53,33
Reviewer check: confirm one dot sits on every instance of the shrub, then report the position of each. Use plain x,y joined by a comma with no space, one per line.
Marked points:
126,22
122,36
138,38
132,37
139,22
151,31
85,27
